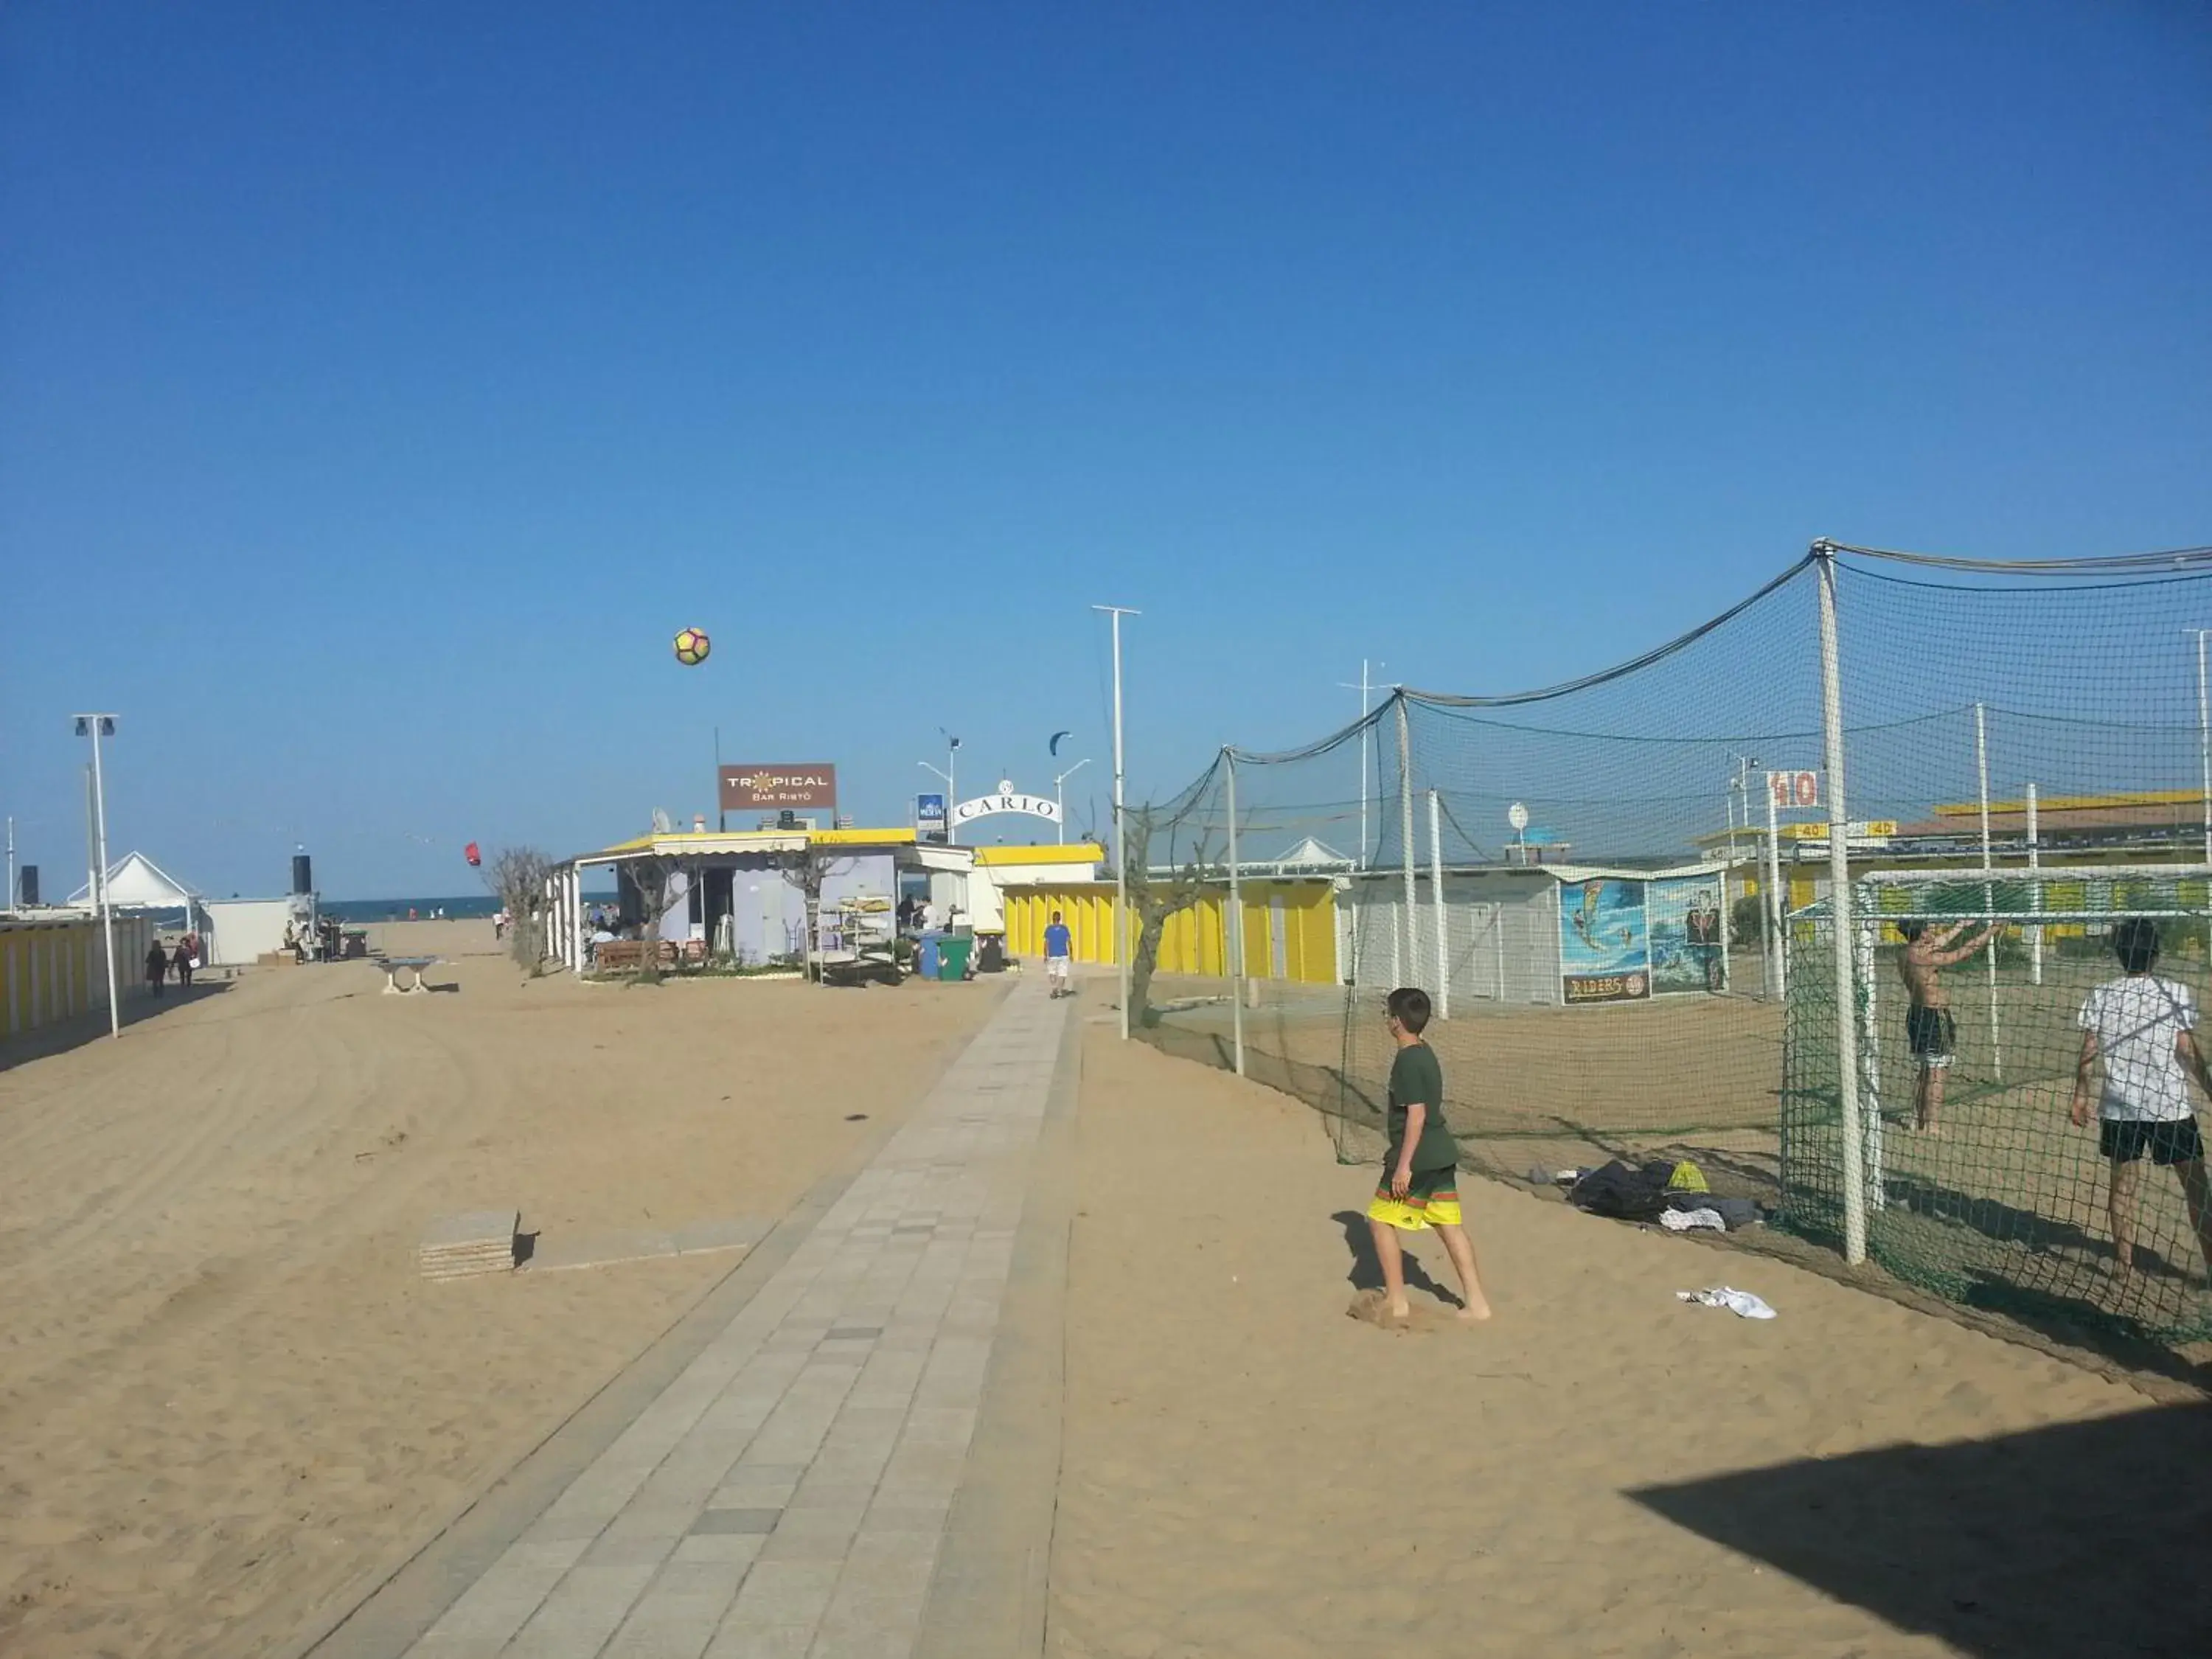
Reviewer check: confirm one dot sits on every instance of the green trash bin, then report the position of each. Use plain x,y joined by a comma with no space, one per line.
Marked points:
952,957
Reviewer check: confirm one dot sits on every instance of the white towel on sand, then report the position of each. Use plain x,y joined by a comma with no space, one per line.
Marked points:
1742,1303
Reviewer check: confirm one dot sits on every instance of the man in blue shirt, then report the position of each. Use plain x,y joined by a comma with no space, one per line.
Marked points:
1059,957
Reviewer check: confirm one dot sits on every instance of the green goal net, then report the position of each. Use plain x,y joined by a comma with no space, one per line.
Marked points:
1978,1184
1619,892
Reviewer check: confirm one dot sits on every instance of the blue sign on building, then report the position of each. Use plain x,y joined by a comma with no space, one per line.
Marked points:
929,817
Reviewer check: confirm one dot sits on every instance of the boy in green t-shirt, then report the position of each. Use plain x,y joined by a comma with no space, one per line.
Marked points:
1420,1172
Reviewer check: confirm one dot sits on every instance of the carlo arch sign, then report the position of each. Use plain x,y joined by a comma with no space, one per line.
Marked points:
1007,799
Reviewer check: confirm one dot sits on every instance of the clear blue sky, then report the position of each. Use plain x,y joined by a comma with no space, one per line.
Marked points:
381,385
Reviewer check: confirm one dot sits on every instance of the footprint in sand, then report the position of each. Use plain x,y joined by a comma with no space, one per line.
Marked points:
1371,1307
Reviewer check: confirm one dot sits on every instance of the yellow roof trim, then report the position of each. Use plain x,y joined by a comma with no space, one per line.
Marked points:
1967,809
1080,853
677,843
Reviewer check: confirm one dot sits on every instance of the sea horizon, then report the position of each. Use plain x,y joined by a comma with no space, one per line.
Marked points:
463,906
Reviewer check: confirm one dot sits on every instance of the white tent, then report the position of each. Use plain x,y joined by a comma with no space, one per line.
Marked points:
137,882
1312,852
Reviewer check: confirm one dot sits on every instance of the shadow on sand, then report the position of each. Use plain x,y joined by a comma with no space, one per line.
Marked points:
80,1029
1366,1274
2074,1540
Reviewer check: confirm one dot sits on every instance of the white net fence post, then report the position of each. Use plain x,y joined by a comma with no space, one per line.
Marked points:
1438,914
1839,903
2034,893
1774,910
1989,892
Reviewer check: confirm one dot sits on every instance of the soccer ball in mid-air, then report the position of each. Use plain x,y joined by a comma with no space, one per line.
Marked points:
692,646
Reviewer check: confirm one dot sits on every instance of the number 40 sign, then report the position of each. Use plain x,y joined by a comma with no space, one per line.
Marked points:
1790,789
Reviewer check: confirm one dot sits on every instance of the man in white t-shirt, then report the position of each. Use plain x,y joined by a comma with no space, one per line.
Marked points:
2141,1029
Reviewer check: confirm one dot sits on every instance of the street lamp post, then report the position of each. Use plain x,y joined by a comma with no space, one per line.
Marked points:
951,789
1740,790
97,727
1365,692
1059,797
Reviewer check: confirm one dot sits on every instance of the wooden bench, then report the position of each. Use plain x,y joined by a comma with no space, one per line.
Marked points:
617,955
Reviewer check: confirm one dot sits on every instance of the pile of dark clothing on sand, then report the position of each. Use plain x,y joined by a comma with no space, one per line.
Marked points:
1656,1191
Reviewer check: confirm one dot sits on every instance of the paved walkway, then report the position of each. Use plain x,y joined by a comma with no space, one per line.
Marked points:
787,1494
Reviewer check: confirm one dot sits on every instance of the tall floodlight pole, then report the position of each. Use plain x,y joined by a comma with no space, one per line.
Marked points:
97,727
1121,856
1366,690
1234,942
10,903
1405,963
1059,794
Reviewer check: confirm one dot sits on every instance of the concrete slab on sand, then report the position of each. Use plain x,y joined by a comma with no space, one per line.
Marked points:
462,1246
475,1229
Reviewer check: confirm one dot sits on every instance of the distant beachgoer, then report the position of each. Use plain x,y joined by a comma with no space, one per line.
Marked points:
410,913
499,920
157,966
1059,957
182,962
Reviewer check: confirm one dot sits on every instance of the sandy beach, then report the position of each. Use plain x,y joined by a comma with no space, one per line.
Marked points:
230,1403
233,1406
1601,1469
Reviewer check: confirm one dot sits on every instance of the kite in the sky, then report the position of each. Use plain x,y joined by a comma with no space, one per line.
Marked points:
1054,747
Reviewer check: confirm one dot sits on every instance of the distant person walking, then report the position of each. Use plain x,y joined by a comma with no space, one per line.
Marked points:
157,966
2141,1031
1929,1031
1059,958
182,962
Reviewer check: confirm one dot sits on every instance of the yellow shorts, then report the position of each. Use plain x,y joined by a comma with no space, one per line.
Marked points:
1431,1200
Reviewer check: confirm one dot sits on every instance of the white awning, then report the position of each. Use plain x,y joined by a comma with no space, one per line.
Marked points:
137,882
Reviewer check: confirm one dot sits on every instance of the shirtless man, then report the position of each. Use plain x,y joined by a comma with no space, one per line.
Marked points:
1928,1029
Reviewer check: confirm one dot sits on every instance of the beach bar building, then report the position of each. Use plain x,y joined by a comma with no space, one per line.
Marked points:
741,894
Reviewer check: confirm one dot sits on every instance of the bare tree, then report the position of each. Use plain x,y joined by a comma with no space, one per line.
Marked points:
517,878
653,876
1152,900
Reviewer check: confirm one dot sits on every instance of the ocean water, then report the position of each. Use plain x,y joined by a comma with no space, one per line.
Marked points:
464,907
